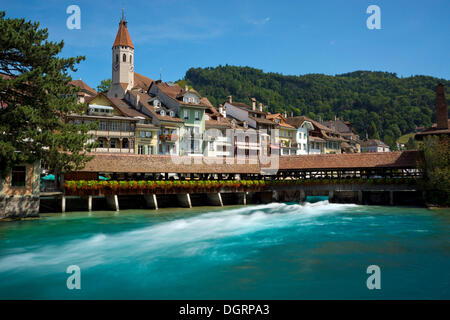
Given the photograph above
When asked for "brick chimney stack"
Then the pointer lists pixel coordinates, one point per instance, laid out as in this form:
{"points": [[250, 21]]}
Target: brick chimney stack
{"points": [[230, 99], [441, 108], [260, 107], [253, 104]]}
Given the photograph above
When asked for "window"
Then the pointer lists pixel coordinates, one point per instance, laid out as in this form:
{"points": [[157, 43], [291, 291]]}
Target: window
{"points": [[142, 134], [117, 58], [125, 126], [186, 114], [131, 58], [211, 146], [140, 149], [197, 115], [112, 143], [162, 113], [304, 146], [103, 126], [148, 134], [18, 175], [172, 114], [124, 58], [115, 126], [151, 150]]}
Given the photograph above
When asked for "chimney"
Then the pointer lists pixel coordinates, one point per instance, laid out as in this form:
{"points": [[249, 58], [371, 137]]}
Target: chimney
{"points": [[285, 114], [222, 111], [292, 114], [335, 117], [253, 103], [230, 99], [138, 98], [260, 107], [186, 88], [441, 108]]}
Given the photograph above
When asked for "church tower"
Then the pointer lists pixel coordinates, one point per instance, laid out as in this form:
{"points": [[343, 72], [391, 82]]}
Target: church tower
{"points": [[122, 62]]}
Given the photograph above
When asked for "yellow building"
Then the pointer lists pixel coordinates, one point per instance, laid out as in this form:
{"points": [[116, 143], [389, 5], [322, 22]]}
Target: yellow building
{"points": [[117, 122], [146, 139], [287, 134]]}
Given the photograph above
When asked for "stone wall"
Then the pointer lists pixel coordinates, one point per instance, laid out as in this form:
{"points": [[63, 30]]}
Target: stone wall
{"points": [[21, 202], [19, 206]]}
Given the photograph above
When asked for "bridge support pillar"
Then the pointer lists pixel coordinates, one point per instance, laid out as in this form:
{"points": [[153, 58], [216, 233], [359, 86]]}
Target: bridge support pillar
{"points": [[330, 196], [113, 202], [302, 196], [151, 201], [215, 199], [391, 198], [245, 199], [90, 203], [63, 203], [185, 200], [360, 197]]}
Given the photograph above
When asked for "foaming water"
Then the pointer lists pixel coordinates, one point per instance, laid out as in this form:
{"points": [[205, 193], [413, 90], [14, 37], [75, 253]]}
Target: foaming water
{"points": [[240, 252]]}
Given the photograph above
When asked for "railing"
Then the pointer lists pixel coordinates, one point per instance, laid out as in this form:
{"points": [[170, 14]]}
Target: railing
{"points": [[49, 186]]}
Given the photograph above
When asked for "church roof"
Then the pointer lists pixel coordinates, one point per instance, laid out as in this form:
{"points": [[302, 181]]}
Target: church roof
{"points": [[123, 37], [142, 82]]}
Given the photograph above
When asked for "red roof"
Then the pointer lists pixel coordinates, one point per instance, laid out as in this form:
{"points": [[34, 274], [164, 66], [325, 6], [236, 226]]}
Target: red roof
{"points": [[83, 86], [123, 37]]}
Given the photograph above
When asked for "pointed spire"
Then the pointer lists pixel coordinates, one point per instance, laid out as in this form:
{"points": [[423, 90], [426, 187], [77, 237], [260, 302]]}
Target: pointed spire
{"points": [[123, 37]]}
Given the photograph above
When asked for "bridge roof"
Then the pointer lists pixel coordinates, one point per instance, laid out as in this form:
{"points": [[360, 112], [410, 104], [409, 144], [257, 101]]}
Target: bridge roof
{"points": [[403, 159], [130, 163]]}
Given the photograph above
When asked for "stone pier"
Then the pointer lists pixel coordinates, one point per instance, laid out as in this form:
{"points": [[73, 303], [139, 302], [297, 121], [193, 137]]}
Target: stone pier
{"points": [[185, 200], [151, 201], [215, 199], [113, 202]]}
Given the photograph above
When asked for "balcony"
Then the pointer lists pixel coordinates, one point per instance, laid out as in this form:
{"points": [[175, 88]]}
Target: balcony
{"points": [[113, 150], [168, 137]]}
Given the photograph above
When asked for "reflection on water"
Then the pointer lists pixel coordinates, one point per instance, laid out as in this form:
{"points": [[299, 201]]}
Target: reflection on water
{"points": [[274, 251]]}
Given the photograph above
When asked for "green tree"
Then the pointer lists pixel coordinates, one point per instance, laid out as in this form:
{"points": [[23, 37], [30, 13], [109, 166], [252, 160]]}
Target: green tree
{"points": [[104, 85], [436, 168], [36, 95], [397, 104], [411, 144], [373, 132]]}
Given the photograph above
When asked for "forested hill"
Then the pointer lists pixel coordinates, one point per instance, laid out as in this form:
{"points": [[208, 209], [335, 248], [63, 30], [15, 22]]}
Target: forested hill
{"points": [[395, 105]]}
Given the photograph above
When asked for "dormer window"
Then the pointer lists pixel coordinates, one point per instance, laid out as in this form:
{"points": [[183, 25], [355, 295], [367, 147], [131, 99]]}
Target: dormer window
{"points": [[156, 103], [162, 113], [172, 114], [245, 124]]}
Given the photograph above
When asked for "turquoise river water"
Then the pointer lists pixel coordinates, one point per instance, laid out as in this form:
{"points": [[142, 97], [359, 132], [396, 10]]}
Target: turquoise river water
{"points": [[274, 251]]}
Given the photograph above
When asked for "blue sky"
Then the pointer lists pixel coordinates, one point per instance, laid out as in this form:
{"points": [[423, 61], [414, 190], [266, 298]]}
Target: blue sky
{"points": [[290, 37]]}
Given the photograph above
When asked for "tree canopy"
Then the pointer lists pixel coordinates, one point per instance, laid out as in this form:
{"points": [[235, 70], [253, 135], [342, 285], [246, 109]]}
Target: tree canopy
{"points": [[35, 95], [104, 85], [395, 105]]}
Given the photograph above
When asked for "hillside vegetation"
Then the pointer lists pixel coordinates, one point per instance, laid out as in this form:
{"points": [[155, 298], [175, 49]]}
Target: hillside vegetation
{"points": [[395, 105]]}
